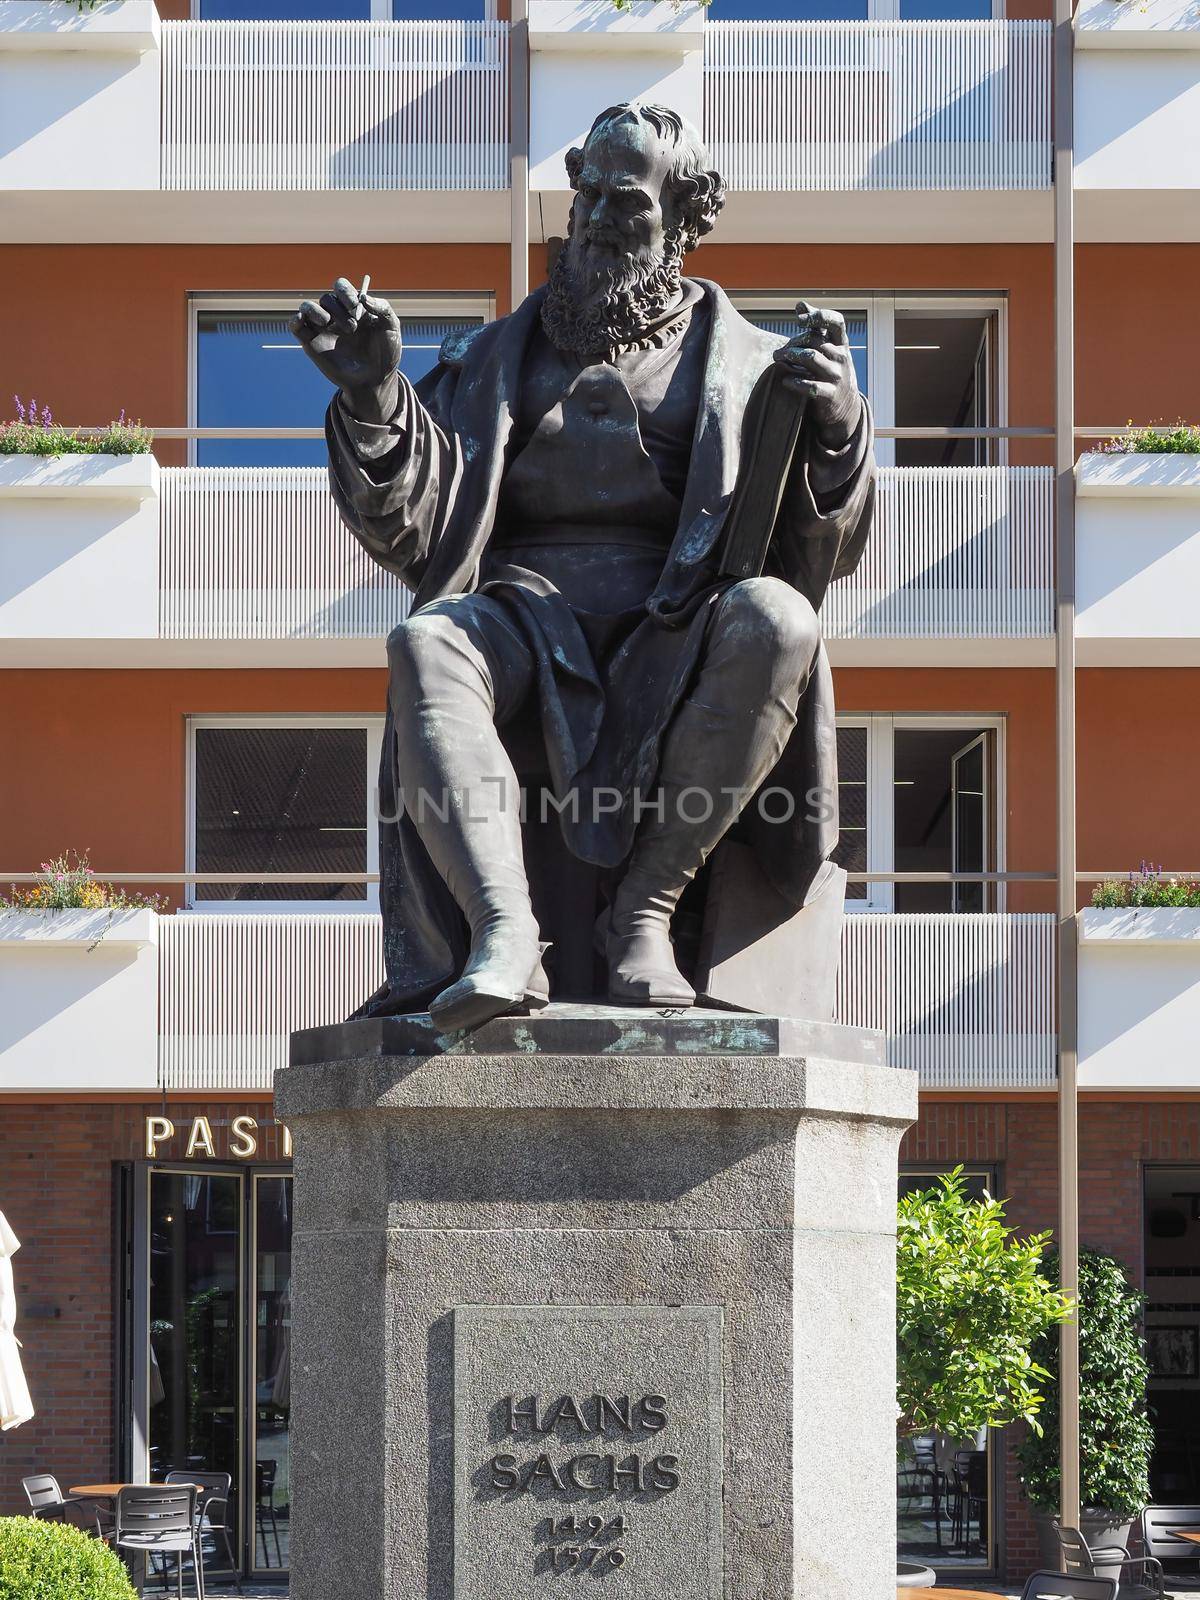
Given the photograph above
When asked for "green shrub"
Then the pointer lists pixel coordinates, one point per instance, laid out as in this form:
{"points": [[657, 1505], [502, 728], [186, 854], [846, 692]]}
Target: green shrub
{"points": [[1115, 1437], [45, 1560], [970, 1302], [1146, 887], [34, 432], [1181, 440]]}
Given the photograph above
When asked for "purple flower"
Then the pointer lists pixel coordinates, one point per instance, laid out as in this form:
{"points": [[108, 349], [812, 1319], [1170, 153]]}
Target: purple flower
{"points": [[47, 417], [19, 406]]}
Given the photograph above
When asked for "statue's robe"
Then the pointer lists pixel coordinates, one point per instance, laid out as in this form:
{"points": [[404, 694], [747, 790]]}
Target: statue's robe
{"points": [[421, 493]]}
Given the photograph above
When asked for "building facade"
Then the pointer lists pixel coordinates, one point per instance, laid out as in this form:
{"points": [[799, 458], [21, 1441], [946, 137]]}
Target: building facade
{"points": [[192, 674]]}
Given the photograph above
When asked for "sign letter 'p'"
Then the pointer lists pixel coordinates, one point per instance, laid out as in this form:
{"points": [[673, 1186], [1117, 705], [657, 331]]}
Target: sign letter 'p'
{"points": [[158, 1130]]}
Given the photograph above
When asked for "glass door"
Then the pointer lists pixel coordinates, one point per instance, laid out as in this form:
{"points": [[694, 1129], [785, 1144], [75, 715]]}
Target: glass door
{"points": [[210, 1341], [969, 810], [195, 1305], [271, 1346]]}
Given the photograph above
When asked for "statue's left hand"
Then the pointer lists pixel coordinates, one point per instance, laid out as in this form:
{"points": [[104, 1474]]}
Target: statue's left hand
{"points": [[817, 364]]}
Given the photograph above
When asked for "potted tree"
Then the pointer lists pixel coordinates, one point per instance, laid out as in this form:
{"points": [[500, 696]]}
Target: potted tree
{"points": [[1115, 1437], [971, 1305]]}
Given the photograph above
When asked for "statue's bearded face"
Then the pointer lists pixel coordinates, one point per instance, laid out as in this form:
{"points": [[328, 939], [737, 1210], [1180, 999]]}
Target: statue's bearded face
{"points": [[621, 266]]}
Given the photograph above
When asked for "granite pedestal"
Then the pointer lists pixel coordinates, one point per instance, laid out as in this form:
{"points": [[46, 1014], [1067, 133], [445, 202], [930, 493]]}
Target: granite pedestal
{"points": [[594, 1298]]}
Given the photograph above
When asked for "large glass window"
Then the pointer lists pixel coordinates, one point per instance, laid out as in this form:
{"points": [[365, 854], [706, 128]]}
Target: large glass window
{"points": [[944, 1487], [285, 798], [1171, 1249], [945, 377], [924, 361], [272, 1369], [219, 1348], [251, 373], [920, 795], [195, 1322]]}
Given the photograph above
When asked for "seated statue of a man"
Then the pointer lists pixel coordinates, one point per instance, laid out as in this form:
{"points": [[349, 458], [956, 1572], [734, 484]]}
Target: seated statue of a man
{"points": [[555, 492]]}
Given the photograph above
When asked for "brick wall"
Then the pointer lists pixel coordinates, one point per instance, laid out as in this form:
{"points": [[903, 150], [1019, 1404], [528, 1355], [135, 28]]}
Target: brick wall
{"points": [[56, 1189]]}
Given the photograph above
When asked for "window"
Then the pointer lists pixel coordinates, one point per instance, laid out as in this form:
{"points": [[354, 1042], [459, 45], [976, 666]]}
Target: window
{"points": [[249, 372], [924, 361], [921, 794], [284, 795]]}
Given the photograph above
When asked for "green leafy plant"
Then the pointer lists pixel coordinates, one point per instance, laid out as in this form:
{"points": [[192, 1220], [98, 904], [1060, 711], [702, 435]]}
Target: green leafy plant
{"points": [[66, 885], [971, 1301], [676, 5], [1146, 887], [34, 432], [46, 1560], [1115, 1437], [1181, 440]]}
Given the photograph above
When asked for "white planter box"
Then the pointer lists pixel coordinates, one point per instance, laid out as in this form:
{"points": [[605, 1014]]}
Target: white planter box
{"points": [[1140, 924], [79, 477], [79, 96], [129, 27], [78, 547], [596, 25], [78, 1000], [1137, 25], [78, 928], [1138, 559], [1139, 999], [1134, 476]]}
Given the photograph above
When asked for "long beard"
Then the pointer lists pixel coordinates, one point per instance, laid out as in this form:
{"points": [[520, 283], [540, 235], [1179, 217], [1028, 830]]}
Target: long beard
{"points": [[595, 307]]}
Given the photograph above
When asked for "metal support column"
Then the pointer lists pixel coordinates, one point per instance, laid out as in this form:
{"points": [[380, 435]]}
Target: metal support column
{"points": [[518, 164], [1068, 927]]}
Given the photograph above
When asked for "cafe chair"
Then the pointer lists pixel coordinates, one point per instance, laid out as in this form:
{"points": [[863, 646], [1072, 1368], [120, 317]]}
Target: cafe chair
{"points": [[160, 1520], [212, 1512], [46, 1499], [1068, 1586], [1161, 1527], [1139, 1577]]}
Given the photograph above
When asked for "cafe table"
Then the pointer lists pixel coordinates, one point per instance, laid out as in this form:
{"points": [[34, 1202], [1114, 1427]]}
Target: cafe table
{"points": [[945, 1593]]}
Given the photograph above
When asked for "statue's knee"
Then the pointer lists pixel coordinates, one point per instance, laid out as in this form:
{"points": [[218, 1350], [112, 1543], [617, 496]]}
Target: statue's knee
{"points": [[417, 643], [775, 619]]}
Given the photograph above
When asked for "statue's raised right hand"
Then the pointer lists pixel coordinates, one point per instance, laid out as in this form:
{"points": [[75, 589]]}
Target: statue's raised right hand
{"points": [[354, 339]]}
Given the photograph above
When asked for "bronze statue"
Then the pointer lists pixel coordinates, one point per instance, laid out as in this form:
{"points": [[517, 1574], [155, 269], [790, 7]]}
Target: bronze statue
{"points": [[556, 492]]}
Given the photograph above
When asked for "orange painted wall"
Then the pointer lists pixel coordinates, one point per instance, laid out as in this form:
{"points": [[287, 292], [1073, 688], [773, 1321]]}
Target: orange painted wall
{"points": [[96, 760], [85, 364], [1139, 768], [118, 333], [1137, 333], [1025, 698]]}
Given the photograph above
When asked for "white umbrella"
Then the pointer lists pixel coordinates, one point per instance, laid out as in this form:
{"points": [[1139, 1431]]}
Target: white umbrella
{"points": [[15, 1405]]}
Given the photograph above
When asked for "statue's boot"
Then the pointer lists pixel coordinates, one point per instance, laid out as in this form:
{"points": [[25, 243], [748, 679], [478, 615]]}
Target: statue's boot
{"points": [[463, 797], [721, 745]]}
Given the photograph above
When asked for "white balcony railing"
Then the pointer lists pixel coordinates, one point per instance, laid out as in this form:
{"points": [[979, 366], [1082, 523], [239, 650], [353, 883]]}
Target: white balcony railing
{"points": [[967, 1000], [232, 987], [259, 553], [345, 105], [879, 105], [956, 552]]}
